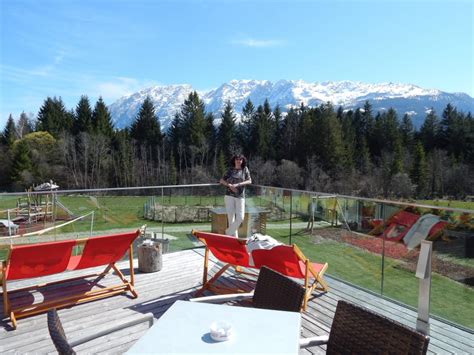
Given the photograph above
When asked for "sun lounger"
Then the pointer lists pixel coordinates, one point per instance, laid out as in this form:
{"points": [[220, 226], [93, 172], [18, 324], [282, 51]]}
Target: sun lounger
{"points": [[229, 250], [42, 259], [290, 261]]}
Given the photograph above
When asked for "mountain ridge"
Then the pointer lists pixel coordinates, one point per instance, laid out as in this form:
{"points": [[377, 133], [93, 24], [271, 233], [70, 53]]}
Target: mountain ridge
{"points": [[404, 98]]}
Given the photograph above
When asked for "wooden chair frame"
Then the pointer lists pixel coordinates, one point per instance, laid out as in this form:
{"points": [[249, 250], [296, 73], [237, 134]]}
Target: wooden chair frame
{"points": [[15, 313], [310, 271], [313, 278], [209, 284]]}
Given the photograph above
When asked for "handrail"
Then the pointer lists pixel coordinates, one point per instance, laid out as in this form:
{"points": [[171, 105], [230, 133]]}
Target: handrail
{"points": [[376, 200], [106, 189], [316, 193]]}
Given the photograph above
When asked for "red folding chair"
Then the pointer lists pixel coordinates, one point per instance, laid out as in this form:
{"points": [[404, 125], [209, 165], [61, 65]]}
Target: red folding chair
{"points": [[290, 261], [229, 250], [42, 259]]}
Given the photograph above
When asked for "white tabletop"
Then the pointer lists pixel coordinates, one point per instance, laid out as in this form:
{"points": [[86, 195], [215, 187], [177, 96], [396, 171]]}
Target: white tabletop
{"points": [[185, 327]]}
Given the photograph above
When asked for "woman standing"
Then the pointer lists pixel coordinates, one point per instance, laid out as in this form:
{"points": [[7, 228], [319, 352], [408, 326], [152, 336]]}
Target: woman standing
{"points": [[235, 180]]}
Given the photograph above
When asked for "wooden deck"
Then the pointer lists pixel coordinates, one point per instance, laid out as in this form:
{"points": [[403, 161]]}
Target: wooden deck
{"points": [[180, 277]]}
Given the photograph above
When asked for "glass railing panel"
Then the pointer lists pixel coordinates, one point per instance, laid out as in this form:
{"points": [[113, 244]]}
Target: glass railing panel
{"points": [[391, 225], [338, 240], [403, 229], [271, 211], [365, 242], [182, 209], [452, 287]]}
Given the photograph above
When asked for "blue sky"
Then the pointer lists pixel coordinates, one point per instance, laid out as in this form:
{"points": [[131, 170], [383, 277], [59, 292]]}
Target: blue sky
{"points": [[112, 48]]}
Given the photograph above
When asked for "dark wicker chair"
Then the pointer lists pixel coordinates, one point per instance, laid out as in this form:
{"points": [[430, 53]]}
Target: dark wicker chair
{"points": [[57, 334], [272, 291], [357, 330], [65, 347]]}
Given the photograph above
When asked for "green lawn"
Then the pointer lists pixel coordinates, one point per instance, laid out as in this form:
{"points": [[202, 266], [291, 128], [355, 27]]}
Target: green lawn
{"points": [[449, 299], [468, 205]]}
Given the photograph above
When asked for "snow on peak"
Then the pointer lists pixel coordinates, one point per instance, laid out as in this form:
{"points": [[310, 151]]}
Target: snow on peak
{"points": [[289, 93]]}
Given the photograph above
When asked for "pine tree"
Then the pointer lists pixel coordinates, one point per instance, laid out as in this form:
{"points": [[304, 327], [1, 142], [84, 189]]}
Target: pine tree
{"points": [[194, 129], [289, 135], [9, 133], [244, 129], [261, 132], [21, 165], [101, 119], [174, 137], [83, 116], [397, 162], [407, 132], [419, 171], [429, 131], [390, 129], [194, 123], [277, 141], [146, 130], [447, 132], [354, 158], [227, 132], [331, 147], [123, 171], [53, 117], [368, 120]]}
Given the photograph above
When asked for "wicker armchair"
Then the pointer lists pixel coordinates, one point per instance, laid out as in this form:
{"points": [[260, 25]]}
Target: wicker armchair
{"points": [[65, 347], [272, 291], [357, 330]]}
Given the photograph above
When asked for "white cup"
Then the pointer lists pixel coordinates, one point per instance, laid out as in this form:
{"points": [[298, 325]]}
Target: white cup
{"points": [[220, 331]]}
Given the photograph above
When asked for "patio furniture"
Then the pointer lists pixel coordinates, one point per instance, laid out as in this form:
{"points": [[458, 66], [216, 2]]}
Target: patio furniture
{"points": [[356, 329], [272, 291], [41, 259], [290, 261], [229, 250], [65, 346], [185, 328]]}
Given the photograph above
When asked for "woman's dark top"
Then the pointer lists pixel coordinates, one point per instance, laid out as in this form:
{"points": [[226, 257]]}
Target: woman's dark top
{"points": [[235, 176]]}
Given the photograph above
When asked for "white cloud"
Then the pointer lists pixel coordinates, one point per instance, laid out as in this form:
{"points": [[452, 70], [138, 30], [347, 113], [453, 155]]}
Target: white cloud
{"points": [[120, 86], [259, 43]]}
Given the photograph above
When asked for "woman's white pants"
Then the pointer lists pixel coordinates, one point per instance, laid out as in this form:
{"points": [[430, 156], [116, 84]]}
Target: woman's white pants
{"points": [[235, 208]]}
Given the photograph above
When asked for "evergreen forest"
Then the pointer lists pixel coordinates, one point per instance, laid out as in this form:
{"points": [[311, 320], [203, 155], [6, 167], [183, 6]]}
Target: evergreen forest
{"points": [[328, 149]]}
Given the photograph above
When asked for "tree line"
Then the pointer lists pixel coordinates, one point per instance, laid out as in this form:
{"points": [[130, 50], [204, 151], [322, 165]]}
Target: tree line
{"points": [[324, 148]]}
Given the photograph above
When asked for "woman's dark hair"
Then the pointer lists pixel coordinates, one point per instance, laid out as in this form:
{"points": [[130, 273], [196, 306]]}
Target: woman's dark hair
{"points": [[238, 156]]}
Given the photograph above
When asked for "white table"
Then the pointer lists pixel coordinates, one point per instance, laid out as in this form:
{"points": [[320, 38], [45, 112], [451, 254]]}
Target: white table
{"points": [[185, 326]]}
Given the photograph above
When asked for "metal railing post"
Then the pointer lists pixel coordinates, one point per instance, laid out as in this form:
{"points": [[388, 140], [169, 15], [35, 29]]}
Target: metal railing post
{"points": [[291, 214], [423, 272]]}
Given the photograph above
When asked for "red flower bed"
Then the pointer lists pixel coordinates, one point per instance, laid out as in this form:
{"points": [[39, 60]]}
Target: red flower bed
{"points": [[393, 249]]}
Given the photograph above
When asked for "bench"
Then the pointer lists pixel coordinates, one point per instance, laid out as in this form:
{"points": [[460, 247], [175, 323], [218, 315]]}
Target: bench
{"points": [[42, 259]]}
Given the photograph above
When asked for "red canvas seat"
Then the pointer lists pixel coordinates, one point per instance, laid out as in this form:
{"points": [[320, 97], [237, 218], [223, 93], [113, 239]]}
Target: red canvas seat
{"points": [[290, 261], [229, 250], [42, 259], [27, 261]]}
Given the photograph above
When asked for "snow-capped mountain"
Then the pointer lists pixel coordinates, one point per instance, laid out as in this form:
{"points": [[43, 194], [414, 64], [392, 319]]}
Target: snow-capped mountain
{"points": [[404, 98]]}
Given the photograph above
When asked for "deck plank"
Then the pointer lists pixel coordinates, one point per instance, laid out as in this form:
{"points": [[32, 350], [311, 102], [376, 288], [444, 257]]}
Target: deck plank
{"points": [[179, 278]]}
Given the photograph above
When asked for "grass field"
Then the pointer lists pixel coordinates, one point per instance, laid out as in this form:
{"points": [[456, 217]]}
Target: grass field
{"points": [[449, 299], [468, 205]]}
